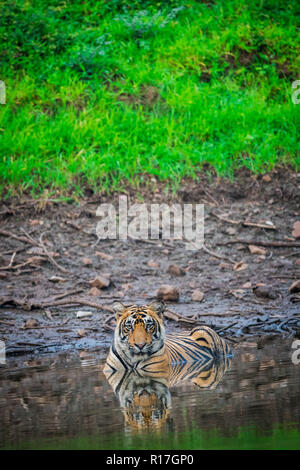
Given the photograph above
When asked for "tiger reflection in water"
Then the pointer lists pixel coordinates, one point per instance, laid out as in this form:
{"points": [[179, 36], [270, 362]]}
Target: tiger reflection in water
{"points": [[144, 362]]}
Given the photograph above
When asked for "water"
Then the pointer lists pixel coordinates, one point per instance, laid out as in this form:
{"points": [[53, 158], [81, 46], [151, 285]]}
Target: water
{"points": [[65, 402]]}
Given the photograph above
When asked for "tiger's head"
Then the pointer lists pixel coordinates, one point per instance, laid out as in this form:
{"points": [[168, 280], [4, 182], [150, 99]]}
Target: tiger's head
{"points": [[139, 332]]}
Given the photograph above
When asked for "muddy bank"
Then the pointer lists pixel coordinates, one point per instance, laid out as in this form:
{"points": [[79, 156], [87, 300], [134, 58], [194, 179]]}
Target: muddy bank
{"points": [[50, 254]]}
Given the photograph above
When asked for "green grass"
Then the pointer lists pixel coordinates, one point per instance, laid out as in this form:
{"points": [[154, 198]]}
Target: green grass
{"points": [[101, 94]]}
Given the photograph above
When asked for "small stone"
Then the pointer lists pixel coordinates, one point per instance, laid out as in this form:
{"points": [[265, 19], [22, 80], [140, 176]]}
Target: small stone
{"points": [[237, 293], [35, 222], [153, 264], [57, 279], [30, 323], [83, 314], [35, 250], [231, 230], [266, 292], [224, 265], [175, 270], [197, 296], [81, 333], [94, 292], [87, 261], [36, 260], [167, 292], [298, 262], [240, 266], [104, 255], [126, 286], [256, 250], [100, 282], [266, 178], [241, 247], [247, 285]]}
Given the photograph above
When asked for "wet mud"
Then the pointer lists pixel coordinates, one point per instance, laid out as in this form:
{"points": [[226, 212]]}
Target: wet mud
{"points": [[239, 283]]}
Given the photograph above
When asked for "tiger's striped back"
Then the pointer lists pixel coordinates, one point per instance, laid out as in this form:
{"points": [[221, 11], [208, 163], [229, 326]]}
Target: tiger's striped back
{"points": [[198, 344]]}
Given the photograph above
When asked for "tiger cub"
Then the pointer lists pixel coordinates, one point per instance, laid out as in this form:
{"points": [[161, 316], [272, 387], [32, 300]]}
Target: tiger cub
{"points": [[141, 344]]}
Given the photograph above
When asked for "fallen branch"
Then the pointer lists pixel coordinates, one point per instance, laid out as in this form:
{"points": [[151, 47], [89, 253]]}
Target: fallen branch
{"points": [[293, 254], [23, 303], [224, 219], [33, 260], [6, 300], [4, 233], [28, 239], [211, 253], [10, 263], [6, 211], [106, 325], [231, 339], [10, 323], [71, 292], [246, 223], [211, 314], [227, 327], [49, 256], [258, 225], [216, 255], [274, 244], [79, 302], [10, 252], [178, 318]]}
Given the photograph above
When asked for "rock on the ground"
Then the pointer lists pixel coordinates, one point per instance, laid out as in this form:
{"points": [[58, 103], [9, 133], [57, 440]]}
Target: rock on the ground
{"points": [[100, 282], [175, 270], [167, 292]]}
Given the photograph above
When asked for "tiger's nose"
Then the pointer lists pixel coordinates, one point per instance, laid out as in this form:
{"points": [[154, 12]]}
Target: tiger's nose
{"points": [[140, 345]]}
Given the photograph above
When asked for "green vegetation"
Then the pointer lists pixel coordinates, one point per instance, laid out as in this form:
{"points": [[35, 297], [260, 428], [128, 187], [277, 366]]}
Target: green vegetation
{"points": [[100, 93]]}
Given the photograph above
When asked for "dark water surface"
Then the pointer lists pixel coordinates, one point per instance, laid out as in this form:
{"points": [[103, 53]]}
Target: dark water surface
{"points": [[66, 402]]}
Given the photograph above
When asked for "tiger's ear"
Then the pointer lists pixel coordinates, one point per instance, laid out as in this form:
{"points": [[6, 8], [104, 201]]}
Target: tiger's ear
{"points": [[119, 309], [158, 307]]}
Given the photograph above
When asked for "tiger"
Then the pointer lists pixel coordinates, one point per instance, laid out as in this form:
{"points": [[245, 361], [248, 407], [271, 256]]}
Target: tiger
{"points": [[141, 344], [144, 362]]}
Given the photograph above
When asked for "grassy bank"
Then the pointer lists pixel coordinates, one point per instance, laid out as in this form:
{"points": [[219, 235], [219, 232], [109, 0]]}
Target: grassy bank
{"points": [[100, 92]]}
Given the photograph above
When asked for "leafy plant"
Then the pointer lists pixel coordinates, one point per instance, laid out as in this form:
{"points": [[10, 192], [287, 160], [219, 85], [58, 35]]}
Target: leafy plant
{"points": [[27, 35], [94, 59], [144, 24]]}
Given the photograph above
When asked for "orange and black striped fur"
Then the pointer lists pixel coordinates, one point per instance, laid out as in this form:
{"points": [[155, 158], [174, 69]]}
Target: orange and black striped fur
{"points": [[141, 344]]}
